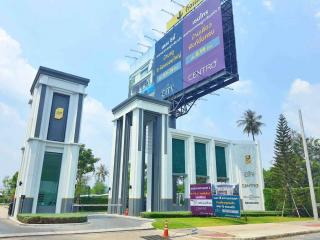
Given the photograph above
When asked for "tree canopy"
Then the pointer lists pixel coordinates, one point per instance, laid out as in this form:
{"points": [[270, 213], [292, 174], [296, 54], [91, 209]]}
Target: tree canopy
{"points": [[251, 123]]}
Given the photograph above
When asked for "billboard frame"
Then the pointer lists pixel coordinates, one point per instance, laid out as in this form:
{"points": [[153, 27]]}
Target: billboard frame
{"points": [[182, 102]]}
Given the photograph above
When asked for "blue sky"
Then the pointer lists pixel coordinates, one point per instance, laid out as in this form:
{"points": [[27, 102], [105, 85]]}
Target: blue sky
{"points": [[278, 57]]}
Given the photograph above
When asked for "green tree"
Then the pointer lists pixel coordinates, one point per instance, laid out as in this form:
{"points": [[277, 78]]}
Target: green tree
{"points": [[99, 188], [86, 165], [101, 173], [251, 123], [9, 185], [314, 155]]}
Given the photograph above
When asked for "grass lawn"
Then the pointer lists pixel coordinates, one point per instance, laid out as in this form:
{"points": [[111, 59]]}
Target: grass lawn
{"points": [[191, 222]]}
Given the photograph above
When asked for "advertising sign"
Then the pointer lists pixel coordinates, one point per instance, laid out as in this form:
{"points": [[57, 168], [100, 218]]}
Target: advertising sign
{"points": [[183, 12], [203, 49], [201, 199], [225, 189], [226, 206], [168, 71]]}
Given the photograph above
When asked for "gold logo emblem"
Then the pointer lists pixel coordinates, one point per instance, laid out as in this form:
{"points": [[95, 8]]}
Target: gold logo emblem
{"points": [[59, 113], [248, 159]]}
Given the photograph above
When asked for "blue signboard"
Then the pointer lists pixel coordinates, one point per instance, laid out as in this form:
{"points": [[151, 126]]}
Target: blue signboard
{"points": [[226, 206], [168, 72]]}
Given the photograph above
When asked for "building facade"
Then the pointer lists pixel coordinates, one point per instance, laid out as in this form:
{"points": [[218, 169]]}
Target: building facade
{"points": [[47, 175], [154, 165]]}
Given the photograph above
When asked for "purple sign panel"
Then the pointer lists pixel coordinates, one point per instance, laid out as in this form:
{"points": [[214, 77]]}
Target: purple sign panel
{"points": [[201, 199], [203, 48]]}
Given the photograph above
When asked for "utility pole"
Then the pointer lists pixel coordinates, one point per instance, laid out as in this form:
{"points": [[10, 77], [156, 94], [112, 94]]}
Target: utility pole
{"points": [[306, 154]]}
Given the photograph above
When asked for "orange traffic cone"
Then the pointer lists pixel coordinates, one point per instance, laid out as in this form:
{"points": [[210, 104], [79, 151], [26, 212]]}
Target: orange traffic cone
{"points": [[166, 230]]}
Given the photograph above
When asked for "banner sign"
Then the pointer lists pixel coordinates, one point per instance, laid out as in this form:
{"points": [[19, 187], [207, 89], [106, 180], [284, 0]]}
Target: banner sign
{"points": [[168, 63], [191, 51], [182, 13], [203, 48], [225, 189], [201, 199], [226, 206]]}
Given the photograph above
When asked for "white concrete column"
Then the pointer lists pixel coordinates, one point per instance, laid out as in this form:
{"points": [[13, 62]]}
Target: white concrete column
{"points": [[190, 165], [135, 157], [122, 156], [166, 161], [211, 161]]}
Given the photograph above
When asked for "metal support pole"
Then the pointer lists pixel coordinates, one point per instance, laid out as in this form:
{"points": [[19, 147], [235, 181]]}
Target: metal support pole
{"points": [[312, 195]]}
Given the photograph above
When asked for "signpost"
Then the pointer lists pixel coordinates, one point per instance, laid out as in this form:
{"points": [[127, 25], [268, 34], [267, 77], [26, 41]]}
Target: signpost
{"points": [[201, 199], [226, 206]]}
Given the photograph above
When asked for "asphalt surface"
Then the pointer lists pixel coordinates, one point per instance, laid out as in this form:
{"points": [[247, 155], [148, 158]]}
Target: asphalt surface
{"points": [[315, 236], [95, 222]]}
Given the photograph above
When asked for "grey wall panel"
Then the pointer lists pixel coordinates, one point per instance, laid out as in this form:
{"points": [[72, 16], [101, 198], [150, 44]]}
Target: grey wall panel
{"points": [[40, 110], [135, 206], [57, 127], [125, 164], [26, 205], [79, 116], [140, 134], [66, 205]]}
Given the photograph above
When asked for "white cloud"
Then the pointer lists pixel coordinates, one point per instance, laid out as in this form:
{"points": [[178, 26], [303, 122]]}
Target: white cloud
{"points": [[305, 96], [145, 15], [317, 15], [197, 121], [16, 74], [11, 139], [242, 87], [122, 66], [268, 4], [96, 130]]}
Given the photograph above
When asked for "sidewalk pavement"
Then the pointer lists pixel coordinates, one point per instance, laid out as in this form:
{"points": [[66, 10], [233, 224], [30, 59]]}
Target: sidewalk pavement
{"points": [[3, 211], [249, 231]]}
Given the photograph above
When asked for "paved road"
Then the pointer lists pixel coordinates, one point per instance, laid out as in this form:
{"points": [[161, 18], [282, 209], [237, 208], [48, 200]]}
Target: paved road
{"points": [[134, 235], [315, 236], [95, 222]]}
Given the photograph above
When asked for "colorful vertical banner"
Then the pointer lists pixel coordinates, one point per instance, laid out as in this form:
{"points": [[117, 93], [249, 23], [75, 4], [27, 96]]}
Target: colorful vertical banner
{"points": [[203, 48], [201, 199], [168, 72], [226, 206]]}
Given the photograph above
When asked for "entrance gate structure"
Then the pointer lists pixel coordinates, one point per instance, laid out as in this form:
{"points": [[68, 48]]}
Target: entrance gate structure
{"points": [[139, 156], [47, 175]]}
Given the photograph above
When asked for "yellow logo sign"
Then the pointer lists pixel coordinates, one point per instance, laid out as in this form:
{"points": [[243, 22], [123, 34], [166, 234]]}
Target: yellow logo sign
{"points": [[183, 12], [59, 113], [248, 159]]}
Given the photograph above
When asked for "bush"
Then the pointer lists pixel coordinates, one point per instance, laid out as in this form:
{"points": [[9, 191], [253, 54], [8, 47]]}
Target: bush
{"points": [[189, 214], [261, 213], [274, 199], [52, 218], [165, 214], [93, 200]]}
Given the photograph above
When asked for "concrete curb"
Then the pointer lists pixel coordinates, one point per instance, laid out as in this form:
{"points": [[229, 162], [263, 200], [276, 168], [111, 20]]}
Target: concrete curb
{"points": [[146, 226], [276, 236], [282, 235]]}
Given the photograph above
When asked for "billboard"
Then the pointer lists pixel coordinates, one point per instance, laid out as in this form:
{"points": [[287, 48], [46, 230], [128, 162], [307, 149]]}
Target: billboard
{"points": [[196, 56], [201, 199]]}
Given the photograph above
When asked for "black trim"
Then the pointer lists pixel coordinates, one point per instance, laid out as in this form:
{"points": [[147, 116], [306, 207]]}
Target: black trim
{"points": [[40, 111], [140, 97], [60, 75], [79, 115]]}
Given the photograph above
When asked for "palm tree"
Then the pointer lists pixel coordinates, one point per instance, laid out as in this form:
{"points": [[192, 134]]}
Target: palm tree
{"points": [[251, 123], [101, 173]]}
